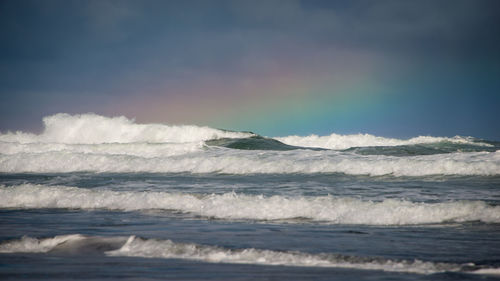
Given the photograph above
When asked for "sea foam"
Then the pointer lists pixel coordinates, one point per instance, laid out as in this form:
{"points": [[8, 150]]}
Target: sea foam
{"points": [[93, 143], [339, 142], [232, 206], [133, 246], [153, 248], [123, 159], [93, 129], [140, 149]]}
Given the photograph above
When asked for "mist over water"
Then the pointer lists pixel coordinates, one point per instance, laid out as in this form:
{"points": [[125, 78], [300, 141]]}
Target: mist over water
{"points": [[95, 187]]}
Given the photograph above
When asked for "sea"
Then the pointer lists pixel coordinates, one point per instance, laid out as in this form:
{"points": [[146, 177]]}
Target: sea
{"points": [[106, 198]]}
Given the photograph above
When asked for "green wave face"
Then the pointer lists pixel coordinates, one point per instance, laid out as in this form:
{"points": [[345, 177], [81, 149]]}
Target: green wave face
{"points": [[424, 149], [252, 143], [443, 147]]}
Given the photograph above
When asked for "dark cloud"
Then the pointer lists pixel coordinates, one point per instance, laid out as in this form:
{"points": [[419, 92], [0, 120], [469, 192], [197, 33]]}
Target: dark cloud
{"points": [[115, 48], [87, 34]]}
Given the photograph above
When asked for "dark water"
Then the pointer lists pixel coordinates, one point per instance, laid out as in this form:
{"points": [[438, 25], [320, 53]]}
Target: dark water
{"points": [[450, 242], [98, 198]]}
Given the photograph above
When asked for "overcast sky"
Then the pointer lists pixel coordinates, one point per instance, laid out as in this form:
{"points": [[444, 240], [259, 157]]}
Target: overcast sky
{"points": [[392, 68]]}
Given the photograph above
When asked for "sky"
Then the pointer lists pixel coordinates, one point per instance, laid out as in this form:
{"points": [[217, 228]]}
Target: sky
{"points": [[396, 68]]}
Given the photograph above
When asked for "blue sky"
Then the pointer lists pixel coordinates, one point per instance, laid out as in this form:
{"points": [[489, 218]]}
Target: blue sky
{"points": [[390, 68]]}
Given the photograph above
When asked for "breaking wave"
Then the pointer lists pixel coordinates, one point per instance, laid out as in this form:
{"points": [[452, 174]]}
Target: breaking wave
{"points": [[91, 128], [327, 209], [63, 244], [341, 142], [93, 143], [133, 246], [146, 150], [95, 129], [193, 159]]}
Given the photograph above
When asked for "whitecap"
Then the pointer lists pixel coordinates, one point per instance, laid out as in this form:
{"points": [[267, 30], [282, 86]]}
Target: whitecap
{"points": [[232, 206]]}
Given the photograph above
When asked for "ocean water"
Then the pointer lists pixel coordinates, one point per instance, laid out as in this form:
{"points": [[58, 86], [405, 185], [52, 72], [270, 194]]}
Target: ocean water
{"points": [[102, 198]]}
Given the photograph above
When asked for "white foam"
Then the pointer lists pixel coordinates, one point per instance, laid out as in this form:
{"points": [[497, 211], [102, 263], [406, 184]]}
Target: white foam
{"points": [[133, 246], [147, 150], [328, 209], [339, 142], [34, 245], [92, 129], [154, 248], [93, 143], [212, 160], [488, 271]]}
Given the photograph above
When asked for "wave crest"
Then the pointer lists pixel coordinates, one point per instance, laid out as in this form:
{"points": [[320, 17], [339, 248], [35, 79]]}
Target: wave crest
{"points": [[328, 209], [341, 142], [250, 162], [94, 143], [91, 128], [133, 246]]}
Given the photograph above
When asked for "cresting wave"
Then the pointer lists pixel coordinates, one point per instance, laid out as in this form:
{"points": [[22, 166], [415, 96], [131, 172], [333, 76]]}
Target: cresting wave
{"points": [[223, 161], [133, 246], [326, 209], [95, 129], [340, 142], [93, 143], [145, 150]]}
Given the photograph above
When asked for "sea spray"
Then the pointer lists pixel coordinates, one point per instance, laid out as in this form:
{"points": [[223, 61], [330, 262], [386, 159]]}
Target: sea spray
{"points": [[93, 129]]}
